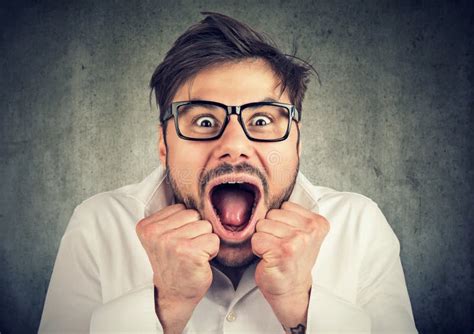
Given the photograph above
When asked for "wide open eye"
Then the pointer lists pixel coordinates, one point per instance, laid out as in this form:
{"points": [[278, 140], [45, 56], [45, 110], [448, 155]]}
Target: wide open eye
{"points": [[260, 120], [265, 121], [206, 121], [200, 120]]}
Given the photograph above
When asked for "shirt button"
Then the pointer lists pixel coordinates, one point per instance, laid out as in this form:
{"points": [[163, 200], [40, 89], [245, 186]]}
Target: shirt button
{"points": [[231, 316]]}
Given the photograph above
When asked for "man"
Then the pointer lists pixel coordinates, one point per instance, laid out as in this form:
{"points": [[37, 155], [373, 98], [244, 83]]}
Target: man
{"points": [[229, 237]]}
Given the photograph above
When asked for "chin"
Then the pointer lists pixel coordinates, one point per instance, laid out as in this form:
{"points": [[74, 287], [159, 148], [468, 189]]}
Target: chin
{"points": [[232, 255]]}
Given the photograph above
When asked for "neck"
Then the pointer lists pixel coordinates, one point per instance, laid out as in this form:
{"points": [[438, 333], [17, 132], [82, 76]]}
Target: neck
{"points": [[233, 273]]}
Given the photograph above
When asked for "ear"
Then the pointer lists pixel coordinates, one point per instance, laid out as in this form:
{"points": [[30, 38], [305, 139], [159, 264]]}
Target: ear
{"points": [[161, 146]]}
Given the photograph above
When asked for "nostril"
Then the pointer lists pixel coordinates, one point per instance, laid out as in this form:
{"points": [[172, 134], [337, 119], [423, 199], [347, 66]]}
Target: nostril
{"points": [[233, 158]]}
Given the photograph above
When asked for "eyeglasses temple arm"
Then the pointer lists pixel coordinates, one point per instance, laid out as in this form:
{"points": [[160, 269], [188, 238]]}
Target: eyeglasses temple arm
{"points": [[296, 114]]}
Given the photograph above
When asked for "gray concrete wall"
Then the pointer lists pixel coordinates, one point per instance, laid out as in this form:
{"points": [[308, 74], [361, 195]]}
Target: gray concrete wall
{"points": [[392, 120]]}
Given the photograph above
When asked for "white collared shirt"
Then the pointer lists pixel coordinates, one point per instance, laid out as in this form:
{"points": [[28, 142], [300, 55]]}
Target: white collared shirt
{"points": [[102, 278]]}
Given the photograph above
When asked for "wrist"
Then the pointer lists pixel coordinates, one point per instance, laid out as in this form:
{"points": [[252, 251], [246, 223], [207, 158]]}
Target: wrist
{"points": [[291, 310], [173, 313]]}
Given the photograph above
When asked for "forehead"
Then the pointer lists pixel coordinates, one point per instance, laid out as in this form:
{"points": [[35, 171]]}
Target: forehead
{"points": [[233, 83]]}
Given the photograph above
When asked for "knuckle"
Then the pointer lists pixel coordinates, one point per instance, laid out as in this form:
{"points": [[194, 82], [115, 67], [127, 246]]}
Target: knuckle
{"points": [[167, 239], [285, 205], [307, 240], [215, 239], [207, 226], [315, 221], [193, 214], [138, 231], [301, 239], [326, 228], [289, 249], [256, 245], [298, 234], [255, 239], [261, 224], [180, 206], [271, 213], [182, 249], [309, 222], [140, 225], [146, 232], [204, 226]]}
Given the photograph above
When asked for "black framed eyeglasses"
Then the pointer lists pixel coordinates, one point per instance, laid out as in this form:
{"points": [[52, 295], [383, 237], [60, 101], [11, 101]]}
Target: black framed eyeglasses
{"points": [[207, 120]]}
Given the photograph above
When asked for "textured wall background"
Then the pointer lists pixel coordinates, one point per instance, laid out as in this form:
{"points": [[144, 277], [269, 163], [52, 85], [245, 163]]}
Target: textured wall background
{"points": [[392, 120]]}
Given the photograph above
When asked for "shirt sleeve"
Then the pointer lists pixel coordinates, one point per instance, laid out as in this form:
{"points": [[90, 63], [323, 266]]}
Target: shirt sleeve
{"points": [[327, 313], [382, 290], [74, 289], [133, 312], [74, 302], [382, 304]]}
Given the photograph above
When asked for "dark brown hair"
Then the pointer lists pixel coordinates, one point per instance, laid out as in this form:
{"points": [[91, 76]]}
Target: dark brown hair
{"points": [[219, 39]]}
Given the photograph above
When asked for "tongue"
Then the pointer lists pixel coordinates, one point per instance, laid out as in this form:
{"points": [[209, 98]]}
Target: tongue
{"points": [[233, 205]]}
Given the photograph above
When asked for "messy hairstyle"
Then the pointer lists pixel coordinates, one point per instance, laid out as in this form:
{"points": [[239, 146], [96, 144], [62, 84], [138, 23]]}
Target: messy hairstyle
{"points": [[219, 39]]}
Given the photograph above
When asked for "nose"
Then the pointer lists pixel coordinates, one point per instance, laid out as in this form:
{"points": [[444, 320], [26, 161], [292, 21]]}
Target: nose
{"points": [[233, 146]]}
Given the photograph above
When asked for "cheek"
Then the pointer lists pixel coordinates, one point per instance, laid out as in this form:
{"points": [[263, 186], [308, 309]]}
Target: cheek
{"points": [[186, 163], [282, 157], [282, 162]]}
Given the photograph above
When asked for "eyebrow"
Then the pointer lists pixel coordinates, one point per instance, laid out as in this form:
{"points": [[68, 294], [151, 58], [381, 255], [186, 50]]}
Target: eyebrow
{"points": [[266, 99], [269, 99]]}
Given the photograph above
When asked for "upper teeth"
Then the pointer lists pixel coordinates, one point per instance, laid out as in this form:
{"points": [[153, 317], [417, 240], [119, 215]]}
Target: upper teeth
{"points": [[233, 182]]}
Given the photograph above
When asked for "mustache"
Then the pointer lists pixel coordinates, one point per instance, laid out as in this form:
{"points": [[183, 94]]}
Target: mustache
{"points": [[226, 168]]}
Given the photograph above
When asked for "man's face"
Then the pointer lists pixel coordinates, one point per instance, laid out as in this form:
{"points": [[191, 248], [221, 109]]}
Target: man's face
{"points": [[232, 181]]}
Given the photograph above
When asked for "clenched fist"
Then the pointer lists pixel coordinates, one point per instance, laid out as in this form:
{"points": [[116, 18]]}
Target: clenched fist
{"points": [[179, 246], [288, 242]]}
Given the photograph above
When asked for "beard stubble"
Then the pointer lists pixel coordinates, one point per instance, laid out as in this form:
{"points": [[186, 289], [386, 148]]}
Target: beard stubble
{"points": [[238, 254]]}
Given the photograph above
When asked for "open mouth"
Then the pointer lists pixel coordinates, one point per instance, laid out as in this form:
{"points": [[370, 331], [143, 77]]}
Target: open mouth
{"points": [[234, 203]]}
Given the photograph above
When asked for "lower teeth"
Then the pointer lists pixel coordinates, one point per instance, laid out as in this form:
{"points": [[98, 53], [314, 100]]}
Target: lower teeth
{"points": [[234, 228]]}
